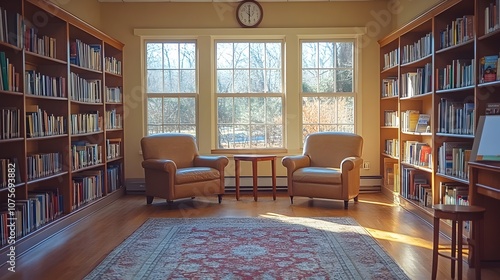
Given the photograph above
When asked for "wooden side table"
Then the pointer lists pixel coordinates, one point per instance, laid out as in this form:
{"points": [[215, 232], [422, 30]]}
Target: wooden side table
{"points": [[254, 159]]}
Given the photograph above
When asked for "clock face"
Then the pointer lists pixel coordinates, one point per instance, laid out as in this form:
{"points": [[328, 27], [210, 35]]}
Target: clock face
{"points": [[249, 14]]}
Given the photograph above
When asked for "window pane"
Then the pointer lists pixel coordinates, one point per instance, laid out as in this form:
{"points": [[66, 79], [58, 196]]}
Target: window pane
{"points": [[309, 81], [344, 81], [154, 56], [154, 110], [344, 55], [187, 56], [225, 110], [171, 56], [258, 139], [257, 55], [170, 110], [326, 82], [310, 110], [325, 57], [241, 110], [309, 55], [224, 81], [346, 110], [273, 55], [274, 110], [187, 114], [155, 81], [274, 136], [171, 81], [241, 55], [241, 80], [258, 112], [274, 81], [187, 81], [224, 55], [327, 110], [257, 80]]}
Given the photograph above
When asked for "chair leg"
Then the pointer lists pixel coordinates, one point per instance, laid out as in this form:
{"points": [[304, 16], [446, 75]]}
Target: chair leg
{"points": [[220, 198], [149, 199], [169, 202], [356, 198], [291, 199], [346, 204]]}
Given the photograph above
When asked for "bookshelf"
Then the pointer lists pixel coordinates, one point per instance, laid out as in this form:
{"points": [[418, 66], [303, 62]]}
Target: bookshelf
{"points": [[437, 64], [61, 122]]}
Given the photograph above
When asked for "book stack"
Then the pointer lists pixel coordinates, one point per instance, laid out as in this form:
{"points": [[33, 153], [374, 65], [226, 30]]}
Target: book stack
{"points": [[85, 154]]}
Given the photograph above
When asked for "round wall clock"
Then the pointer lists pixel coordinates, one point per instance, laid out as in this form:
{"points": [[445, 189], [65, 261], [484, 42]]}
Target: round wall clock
{"points": [[249, 13]]}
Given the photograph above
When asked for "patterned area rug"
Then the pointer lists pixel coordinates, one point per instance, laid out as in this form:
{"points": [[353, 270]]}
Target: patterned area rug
{"points": [[249, 248]]}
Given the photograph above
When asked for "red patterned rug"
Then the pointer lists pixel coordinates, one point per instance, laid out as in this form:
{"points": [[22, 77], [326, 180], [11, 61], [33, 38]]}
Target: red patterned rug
{"points": [[249, 248]]}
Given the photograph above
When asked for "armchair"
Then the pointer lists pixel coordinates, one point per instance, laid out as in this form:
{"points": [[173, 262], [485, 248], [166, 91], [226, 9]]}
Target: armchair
{"points": [[328, 167], [174, 169]]}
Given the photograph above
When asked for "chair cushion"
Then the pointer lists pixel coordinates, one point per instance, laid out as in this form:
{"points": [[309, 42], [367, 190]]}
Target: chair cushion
{"points": [[196, 174], [319, 175]]}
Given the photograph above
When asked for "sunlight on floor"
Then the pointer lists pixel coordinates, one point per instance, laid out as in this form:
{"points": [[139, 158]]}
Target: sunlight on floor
{"points": [[378, 203], [402, 238], [305, 221]]}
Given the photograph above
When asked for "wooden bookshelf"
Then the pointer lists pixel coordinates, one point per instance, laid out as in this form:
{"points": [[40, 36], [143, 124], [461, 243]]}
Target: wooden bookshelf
{"points": [[64, 77], [450, 89]]}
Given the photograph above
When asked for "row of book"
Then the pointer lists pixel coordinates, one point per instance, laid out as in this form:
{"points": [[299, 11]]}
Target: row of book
{"points": [[391, 59], [390, 87], [113, 94], [84, 90], [9, 77], [113, 179], [460, 73], [492, 17], [40, 208], [113, 120], [458, 31], [40, 44], [415, 185], [11, 28], [9, 169], [43, 85], [415, 122], [43, 165], [112, 65], [87, 186], [391, 118], [113, 147], [85, 154], [39, 123], [453, 193], [417, 153], [392, 147], [418, 82], [456, 117], [453, 159], [10, 123], [417, 50], [86, 55], [86, 123]]}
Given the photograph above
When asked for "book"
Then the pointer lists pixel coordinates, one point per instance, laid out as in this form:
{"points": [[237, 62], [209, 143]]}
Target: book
{"points": [[423, 123], [488, 68]]}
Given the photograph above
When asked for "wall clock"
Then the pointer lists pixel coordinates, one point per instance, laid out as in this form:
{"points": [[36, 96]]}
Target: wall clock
{"points": [[249, 13]]}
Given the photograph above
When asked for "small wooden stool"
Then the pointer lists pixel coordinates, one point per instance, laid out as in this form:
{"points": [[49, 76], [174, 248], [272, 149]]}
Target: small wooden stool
{"points": [[458, 214]]}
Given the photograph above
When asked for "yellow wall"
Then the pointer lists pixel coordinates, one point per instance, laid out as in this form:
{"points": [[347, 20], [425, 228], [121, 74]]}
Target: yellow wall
{"points": [[120, 19], [87, 10]]}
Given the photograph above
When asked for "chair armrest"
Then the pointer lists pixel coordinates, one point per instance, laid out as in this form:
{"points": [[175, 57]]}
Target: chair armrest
{"points": [[293, 163], [351, 163], [160, 164], [216, 162]]}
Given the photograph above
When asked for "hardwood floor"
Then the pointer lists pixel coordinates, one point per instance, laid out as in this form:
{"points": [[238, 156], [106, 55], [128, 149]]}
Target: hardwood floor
{"points": [[75, 251]]}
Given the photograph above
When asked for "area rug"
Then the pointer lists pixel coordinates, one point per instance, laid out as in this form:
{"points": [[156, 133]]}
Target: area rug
{"points": [[249, 248]]}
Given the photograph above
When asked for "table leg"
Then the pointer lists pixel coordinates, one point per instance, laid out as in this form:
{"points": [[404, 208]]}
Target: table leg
{"points": [[237, 177], [254, 171], [273, 166]]}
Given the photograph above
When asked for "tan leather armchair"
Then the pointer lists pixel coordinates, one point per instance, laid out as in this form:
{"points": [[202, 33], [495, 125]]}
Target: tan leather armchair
{"points": [[328, 167], [174, 169]]}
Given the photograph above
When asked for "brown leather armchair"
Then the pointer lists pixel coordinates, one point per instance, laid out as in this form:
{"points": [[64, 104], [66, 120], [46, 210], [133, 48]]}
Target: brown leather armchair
{"points": [[174, 169], [328, 167]]}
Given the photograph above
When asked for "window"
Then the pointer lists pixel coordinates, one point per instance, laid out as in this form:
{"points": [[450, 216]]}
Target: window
{"points": [[249, 88], [171, 87], [328, 93]]}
